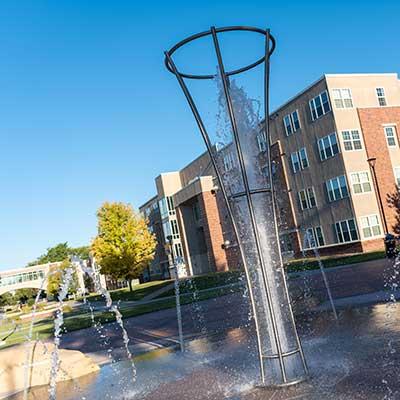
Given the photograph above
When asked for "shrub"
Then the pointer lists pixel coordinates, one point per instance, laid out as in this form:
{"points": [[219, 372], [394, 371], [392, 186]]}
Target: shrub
{"points": [[67, 308], [30, 302]]}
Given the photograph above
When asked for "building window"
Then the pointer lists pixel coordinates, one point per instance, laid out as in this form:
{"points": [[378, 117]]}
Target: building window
{"points": [[163, 208], [228, 162], [178, 250], [337, 188], [291, 122], [319, 105], [307, 198], [360, 182], [299, 160], [174, 229], [166, 229], [171, 207], [303, 158], [295, 162], [262, 141], [397, 175], [342, 98], [286, 243], [314, 237], [380, 93], [346, 231], [328, 146], [370, 226], [390, 133], [352, 140]]}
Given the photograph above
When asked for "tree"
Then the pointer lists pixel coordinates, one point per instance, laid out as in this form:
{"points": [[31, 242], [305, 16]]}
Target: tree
{"points": [[7, 299], [61, 252], [393, 200], [124, 246], [23, 295], [55, 278]]}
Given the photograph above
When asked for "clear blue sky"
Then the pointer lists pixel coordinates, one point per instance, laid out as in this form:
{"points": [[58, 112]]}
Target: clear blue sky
{"points": [[88, 112]]}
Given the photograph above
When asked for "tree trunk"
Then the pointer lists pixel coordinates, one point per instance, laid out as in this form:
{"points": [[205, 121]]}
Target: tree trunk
{"points": [[130, 285]]}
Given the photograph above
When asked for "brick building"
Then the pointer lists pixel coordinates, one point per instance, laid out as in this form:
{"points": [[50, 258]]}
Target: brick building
{"points": [[326, 194], [326, 135], [189, 208]]}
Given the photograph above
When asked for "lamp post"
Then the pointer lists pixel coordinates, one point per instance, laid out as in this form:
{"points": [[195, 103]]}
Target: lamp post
{"points": [[372, 163]]}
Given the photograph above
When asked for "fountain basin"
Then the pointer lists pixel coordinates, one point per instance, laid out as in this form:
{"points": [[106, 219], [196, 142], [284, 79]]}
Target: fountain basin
{"points": [[73, 365]]}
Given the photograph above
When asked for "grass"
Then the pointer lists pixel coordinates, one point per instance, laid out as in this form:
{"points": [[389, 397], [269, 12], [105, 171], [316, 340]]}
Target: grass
{"points": [[137, 293], [307, 264], [207, 281], [73, 321]]}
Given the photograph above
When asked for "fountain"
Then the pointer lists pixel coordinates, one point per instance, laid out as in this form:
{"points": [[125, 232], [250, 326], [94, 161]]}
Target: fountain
{"points": [[249, 196]]}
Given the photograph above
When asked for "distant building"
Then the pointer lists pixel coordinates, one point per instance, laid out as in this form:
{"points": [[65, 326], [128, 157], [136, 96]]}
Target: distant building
{"points": [[193, 213]]}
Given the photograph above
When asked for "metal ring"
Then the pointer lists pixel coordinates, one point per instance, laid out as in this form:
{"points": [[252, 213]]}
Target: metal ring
{"points": [[219, 30]]}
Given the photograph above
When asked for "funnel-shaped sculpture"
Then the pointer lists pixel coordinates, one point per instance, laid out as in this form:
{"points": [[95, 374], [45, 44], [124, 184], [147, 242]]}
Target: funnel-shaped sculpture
{"points": [[241, 159]]}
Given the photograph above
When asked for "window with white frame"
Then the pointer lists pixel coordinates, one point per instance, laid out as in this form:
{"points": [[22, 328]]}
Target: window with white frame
{"points": [[299, 160], [314, 237], [370, 226], [170, 203], [295, 162], [262, 141], [303, 158], [228, 162], [360, 182], [328, 146], [346, 231], [342, 98], [291, 122], [337, 188], [319, 105], [307, 198], [352, 140], [174, 229], [397, 175], [178, 250], [166, 229], [380, 93], [390, 133]]}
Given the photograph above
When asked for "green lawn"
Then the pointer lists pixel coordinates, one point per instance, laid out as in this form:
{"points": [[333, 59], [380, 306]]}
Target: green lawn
{"points": [[137, 293], [207, 281], [329, 262], [43, 328]]}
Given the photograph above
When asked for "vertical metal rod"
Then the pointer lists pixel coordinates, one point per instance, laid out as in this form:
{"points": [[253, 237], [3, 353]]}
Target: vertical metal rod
{"points": [[268, 138], [249, 200], [209, 146]]}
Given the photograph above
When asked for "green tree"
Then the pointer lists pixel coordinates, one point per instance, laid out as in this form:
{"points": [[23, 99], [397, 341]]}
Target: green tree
{"points": [[61, 252], [55, 277], [7, 299], [124, 246], [23, 295]]}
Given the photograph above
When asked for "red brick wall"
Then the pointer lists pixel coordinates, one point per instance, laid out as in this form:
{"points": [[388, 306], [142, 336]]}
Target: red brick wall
{"points": [[373, 245], [213, 231], [372, 120]]}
